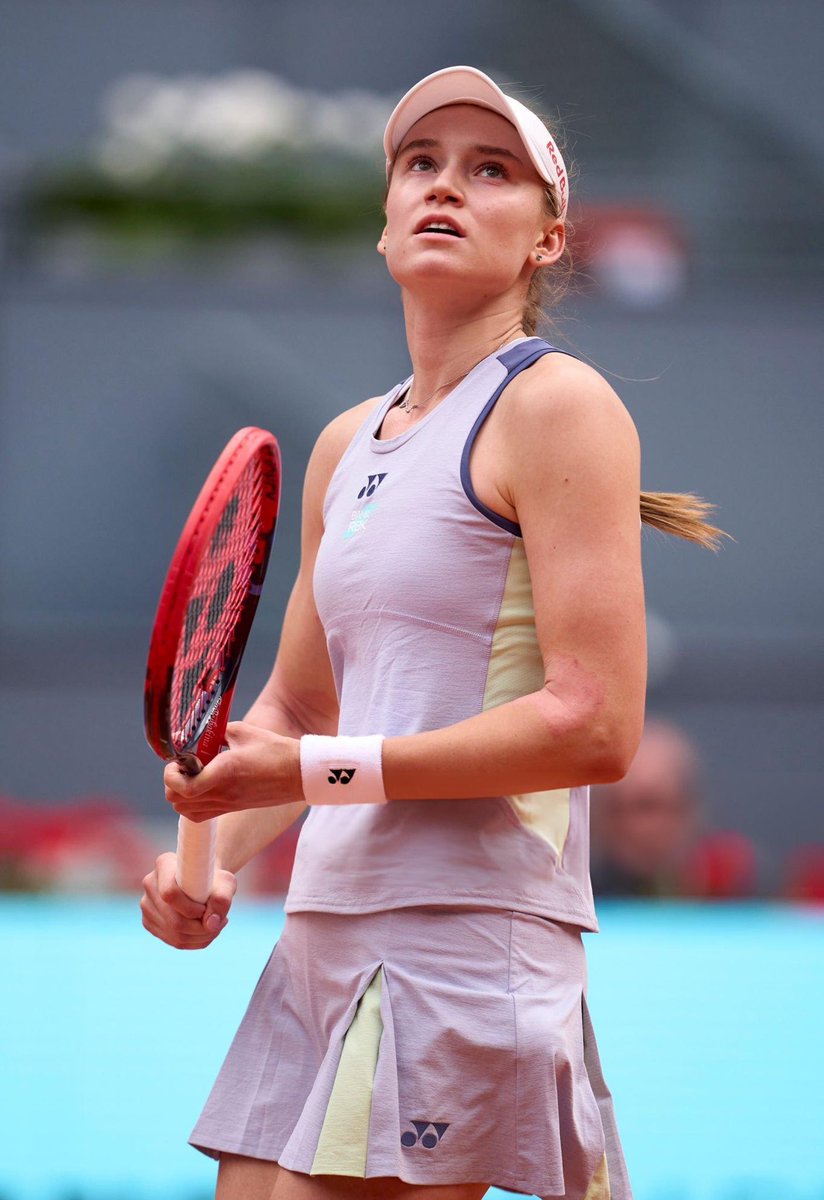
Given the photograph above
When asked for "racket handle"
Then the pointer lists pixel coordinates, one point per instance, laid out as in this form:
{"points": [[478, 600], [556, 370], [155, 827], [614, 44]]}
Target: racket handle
{"points": [[196, 844]]}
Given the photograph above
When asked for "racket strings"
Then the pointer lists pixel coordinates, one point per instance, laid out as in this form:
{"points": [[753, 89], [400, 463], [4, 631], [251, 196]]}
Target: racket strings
{"points": [[223, 581]]}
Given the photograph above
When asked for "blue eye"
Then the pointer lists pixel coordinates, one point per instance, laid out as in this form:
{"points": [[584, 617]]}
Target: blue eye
{"points": [[414, 162], [502, 172]]}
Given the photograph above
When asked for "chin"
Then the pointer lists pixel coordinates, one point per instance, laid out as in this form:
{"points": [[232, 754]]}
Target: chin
{"points": [[439, 268]]}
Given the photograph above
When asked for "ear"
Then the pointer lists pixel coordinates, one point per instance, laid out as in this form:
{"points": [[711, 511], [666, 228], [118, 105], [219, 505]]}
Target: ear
{"points": [[550, 244], [381, 247]]}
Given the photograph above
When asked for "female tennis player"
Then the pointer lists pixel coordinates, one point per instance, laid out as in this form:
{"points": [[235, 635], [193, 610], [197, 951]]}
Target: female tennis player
{"points": [[463, 654]]}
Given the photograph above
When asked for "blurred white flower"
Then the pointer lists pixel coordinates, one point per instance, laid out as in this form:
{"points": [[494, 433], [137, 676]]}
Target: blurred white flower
{"points": [[241, 115], [149, 120], [144, 116], [351, 120]]}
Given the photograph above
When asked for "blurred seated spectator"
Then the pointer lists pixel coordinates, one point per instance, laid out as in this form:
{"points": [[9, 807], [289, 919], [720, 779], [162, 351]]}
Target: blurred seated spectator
{"points": [[649, 835]]}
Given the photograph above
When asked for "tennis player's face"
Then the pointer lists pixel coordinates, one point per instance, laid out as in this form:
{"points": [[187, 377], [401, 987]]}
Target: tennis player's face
{"points": [[468, 167]]}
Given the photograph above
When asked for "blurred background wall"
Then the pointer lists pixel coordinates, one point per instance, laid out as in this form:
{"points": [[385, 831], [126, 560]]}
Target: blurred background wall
{"points": [[132, 346]]}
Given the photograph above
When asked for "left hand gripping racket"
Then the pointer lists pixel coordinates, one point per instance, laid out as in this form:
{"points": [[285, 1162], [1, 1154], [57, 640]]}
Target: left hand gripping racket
{"points": [[203, 620]]}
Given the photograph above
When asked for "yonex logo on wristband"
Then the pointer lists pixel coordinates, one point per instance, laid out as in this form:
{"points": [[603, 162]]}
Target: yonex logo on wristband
{"points": [[361, 779], [341, 774], [423, 1135]]}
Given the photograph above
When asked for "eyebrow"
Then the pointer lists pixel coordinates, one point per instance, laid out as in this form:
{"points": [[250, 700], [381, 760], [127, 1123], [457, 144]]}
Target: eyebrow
{"points": [[431, 143]]}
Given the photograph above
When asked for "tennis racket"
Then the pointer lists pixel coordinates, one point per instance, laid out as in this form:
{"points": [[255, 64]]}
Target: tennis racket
{"points": [[203, 620]]}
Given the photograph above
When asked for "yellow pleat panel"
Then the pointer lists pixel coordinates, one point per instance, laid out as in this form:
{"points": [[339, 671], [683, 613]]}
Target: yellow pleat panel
{"points": [[545, 813], [344, 1137], [599, 1184], [515, 664], [516, 668]]}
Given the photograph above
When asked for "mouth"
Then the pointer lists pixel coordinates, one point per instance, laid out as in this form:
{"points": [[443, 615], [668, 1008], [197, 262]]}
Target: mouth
{"points": [[439, 227]]}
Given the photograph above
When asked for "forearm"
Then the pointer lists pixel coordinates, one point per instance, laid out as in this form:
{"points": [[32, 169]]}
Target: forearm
{"points": [[535, 743], [241, 835], [244, 833], [549, 739]]}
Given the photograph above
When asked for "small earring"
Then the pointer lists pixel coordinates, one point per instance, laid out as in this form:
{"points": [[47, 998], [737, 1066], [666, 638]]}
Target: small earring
{"points": [[538, 257]]}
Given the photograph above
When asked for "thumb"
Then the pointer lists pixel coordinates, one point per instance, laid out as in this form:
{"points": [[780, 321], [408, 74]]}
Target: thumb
{"points": [[239, 734], [178, 783], [220, 901]]}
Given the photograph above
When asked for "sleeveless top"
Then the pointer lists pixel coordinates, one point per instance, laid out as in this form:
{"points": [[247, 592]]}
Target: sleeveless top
{"points": [[425, 599]]}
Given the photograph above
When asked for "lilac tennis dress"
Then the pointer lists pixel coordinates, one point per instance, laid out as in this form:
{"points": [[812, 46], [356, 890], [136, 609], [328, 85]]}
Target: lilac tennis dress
{"points": [[424, 1015]]}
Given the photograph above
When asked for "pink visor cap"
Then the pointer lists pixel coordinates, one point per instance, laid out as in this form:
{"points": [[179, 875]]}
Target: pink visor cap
{"points": [[467, 85]]}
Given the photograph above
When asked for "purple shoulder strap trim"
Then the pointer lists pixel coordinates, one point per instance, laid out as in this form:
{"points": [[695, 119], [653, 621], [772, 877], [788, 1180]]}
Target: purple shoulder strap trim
{"points": [[515, 360]]}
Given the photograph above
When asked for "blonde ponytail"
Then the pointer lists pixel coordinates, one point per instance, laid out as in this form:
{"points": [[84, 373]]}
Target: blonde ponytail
{"points": [[683, 515]]}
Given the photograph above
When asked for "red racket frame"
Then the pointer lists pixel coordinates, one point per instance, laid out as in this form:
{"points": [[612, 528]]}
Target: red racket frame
{"points": [[168, 628]]}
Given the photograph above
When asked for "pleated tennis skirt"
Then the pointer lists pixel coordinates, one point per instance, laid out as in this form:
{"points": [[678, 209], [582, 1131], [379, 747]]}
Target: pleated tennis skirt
{"points": [[437, 1045]]}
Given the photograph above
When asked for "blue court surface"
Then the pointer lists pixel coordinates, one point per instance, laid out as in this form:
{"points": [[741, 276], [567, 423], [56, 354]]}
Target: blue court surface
{"points": [[709, 1021]]}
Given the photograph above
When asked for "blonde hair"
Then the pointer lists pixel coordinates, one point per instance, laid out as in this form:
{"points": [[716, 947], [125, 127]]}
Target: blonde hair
{"points": [[682, 514]]}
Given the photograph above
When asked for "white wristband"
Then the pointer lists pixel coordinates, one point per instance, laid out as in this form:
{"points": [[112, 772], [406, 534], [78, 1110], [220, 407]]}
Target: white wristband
{"points": [[342, 770]]}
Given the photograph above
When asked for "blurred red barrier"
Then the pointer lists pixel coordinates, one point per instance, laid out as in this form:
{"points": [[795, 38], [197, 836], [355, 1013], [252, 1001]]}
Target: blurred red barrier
{"points": [[804, 875], [721, 866], [92, 844]]}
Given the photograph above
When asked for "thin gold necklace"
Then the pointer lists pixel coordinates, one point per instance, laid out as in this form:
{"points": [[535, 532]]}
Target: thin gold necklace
{"points": [[404, 404]]}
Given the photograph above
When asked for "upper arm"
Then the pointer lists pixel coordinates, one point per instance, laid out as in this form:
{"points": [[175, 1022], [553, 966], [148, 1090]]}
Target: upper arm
{"points": [[302, 681], [572, 465]]}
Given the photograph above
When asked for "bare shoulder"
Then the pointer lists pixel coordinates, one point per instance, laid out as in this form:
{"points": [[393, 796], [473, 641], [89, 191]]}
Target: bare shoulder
{"points": [[564, 428], [335, 437], [330, 448], [561, 395]]}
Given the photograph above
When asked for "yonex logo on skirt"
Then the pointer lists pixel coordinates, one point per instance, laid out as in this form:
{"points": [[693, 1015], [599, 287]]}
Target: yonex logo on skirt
{"points": [[422, 1136]]}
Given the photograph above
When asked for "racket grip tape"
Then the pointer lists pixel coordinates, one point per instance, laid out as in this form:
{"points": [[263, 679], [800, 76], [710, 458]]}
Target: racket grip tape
{"points": [[196, 846]]}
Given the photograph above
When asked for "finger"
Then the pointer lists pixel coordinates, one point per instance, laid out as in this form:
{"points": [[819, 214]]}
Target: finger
{"points": [[153, 922], [170, 891], [174, 780], [178, 783], [242, 733], [163, 863], [237, 733], [164, 916], [179, 941], [148, 914], [174, 930], [226, 795], [220, 901], [217, 779], [199, 811]]}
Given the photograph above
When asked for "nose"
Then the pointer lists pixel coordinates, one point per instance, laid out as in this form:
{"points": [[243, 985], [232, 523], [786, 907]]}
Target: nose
{"points": [[444, 189]]}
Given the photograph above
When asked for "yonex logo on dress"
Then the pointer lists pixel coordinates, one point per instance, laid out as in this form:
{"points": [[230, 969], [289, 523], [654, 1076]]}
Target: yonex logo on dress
{"points": [[341, 774], [372, 485], [422, 1134]]}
